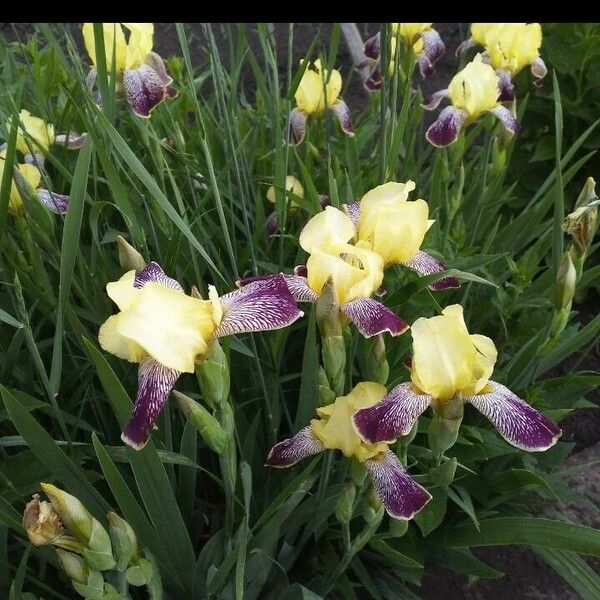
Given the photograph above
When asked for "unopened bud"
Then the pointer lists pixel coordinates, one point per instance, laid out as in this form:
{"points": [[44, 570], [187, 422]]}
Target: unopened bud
{"points": [[140, 574], [41, 522], [344, 507], [333, 351], [207, 426], [376, 365], [129, 257], [444, 474], [398, 527], [444, 426], [213, 375], [582, 222], [328, 310], [566, 280], [73, 565], [124, 541], [326, 394]]}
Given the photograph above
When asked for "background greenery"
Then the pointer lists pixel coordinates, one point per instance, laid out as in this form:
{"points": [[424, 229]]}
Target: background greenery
{"points": [[186, 188]]}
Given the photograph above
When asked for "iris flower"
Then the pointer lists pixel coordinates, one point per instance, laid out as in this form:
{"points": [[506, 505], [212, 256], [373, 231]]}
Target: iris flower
{"points": [[141, 73], [424, 41], [509, 48], [388, 223], [352, 271], [333, 430], [167, 332], [449, 364], [318, 91], [472, 92]]}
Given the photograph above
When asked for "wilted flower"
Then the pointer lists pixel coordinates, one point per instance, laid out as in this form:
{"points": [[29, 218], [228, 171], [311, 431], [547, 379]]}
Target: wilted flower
{"points": [[333, 430], [451, 367], [472, 92], [140, 72], [318, 91], [347, 273], [168, 332], [388, 223], [509, 48], [41, 522]]}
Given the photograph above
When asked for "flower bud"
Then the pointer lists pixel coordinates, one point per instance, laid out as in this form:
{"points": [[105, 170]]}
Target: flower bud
{"points": [[140, 574], [444, 474], [566, 280], [73, 565], [444, 426], [326, 394], [207, 426], [124, 541], [213, 375], [129, 257], [344, 507], [41, 522], [328, 311], [376, 366], [582, 222], [333, 351]]}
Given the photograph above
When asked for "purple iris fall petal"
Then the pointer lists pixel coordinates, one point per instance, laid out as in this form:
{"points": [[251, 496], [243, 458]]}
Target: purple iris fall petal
{"points": [[155, 383], [508, 120], [144, 89], [372, 47], [518, 423], [393, 417], [153, 272], [296, 284], [259, 306], [372, 317], [297, 126], [433, 49], [506, 86], [271, 224], [464, 46], [72, 141], [56, 203], [539, 71], [375, 80], [294, 449], [434, 100], [446, 128], [400, 494], [301, 271], [342, 112], [425, 264]]}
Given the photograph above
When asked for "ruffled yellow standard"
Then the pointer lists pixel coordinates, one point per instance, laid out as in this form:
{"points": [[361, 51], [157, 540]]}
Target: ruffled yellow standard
{"points": [[318, 91]]}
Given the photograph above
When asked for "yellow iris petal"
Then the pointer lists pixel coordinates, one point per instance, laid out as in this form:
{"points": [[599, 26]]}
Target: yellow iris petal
{"points": [[41, 134], [141, 40], [390, 225], [327, 231], [114, 40], [410, 32], [513, 46], [318, 89], [31, 175], [475, 88], [447, 359], [479, 31], [291, 185], [122, 292], [334, 426]]}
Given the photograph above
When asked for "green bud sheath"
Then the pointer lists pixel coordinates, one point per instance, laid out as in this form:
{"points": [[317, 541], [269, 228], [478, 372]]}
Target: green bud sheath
{"points": [[213, 375], [344, 506], [333, 351], [73, 565], [124, 541], [444, 426], [129, 257]]}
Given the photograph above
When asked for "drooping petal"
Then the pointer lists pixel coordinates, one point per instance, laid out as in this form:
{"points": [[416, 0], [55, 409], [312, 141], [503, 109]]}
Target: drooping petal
{"points": [[433, 48], [434, 100], [271, 224], [506, 86], [72, 141], [539, 71], [425, 264], [342, 112], [446, 128], [508, 120], [294, 449], [297, 285], [156, 62], [56, 203], [393, 417], [301, 271], [155, 383], [372, 317], [144, 89], [400, 494], [153, 272], [352, 209], [372, 47], [517, 422], [297, 126], [464, 46], [259, 306], [375, 80], [37, 160]]}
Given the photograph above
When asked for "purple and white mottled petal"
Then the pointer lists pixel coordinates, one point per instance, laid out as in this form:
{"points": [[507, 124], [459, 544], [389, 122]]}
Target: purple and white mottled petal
{"points": [[287, 453], [380, 291], [301, 271], [425, 264], [297, 126], [144, 89], [153, 272], [56, 203], [506, 86], [393, 417], [372, 47], [464, 46], [425, 65], [3, 147], [297, 284], [37, 160], [508, 120], [446, 128], [259, 306], [374, 81], [539, 71], [517, 422], [352, 209], [433, 49], [72, 141], [434, 100], [155, 383], [324, 200], [157, 64], [402, 497], [342, 112], [271, 224], [372, 317]]}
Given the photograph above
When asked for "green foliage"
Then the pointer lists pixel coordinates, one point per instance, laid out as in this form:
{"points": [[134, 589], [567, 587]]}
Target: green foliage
{"points": [[187, 188]]}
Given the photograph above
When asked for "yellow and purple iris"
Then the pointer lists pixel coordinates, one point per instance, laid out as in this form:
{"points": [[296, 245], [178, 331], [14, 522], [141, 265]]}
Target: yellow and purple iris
{"points": [[394, 227], [318, 91], [352, 272], [421, 38], [168, 332], [333, 430], [509, 48], [140, 73], [473, 92], [452, 366]]}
